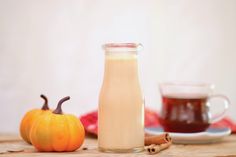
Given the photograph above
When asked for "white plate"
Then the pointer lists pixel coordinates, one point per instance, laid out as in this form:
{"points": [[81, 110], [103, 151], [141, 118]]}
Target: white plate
{"points": [[209, 136]]}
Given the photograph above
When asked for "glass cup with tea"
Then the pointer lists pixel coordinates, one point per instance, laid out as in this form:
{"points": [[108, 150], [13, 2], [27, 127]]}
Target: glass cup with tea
{"points": [[187, 107]]}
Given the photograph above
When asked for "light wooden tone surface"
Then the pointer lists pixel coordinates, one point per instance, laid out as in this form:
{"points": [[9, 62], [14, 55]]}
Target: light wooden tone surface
{"points": [[225, 148]]}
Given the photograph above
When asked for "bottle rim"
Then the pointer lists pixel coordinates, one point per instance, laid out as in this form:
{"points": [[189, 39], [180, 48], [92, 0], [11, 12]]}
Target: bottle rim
{"points": [[122, 47]]}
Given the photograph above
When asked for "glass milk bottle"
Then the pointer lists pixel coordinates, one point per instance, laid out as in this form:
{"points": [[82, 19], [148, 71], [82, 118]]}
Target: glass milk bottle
{"points": [[121, 108]]}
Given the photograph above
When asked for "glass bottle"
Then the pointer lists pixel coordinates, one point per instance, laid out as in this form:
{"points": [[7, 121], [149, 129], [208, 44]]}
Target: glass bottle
{"points": [[121, 106]]}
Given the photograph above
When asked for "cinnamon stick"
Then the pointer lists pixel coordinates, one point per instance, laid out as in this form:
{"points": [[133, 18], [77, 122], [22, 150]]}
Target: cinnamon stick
{"points": [[153, 148], [157, 139], [157, 143]]}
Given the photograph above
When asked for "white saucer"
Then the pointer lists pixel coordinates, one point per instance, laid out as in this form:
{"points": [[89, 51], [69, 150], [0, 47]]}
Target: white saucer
{"points": [[209, 136]]}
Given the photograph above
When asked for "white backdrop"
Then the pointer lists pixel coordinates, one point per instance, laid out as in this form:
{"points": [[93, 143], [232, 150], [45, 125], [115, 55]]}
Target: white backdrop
{"points": [[54, 47]]}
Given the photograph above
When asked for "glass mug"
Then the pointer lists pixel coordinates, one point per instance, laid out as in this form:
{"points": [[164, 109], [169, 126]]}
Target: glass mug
{"points": [[186, 107]]}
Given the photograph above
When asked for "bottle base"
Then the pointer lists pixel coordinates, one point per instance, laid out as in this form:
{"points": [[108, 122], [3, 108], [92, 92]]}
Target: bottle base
{"points": [[130, 150]]}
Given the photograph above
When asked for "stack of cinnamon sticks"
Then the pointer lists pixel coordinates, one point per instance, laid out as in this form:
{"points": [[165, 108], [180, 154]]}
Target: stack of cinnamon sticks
{"points": [[157, 143]]}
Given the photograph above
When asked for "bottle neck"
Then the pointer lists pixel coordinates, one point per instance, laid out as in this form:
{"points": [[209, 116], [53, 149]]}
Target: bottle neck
{"points": [[121, 62], [121, 67], [121, 55]]}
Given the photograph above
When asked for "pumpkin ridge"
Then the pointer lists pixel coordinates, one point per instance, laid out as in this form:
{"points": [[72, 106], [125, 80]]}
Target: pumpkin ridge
{"points": [[42, 145], [31, 122], [27, 123], [50, 141], [52, 146], [24, 121], [59, 134], [37, 137], [69, 130], [80, 128], [33, 138], [50, 133]]}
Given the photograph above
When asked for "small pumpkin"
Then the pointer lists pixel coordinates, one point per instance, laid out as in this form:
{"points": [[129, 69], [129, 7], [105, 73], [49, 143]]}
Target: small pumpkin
{"points": [[30, 117], [57, 131]]}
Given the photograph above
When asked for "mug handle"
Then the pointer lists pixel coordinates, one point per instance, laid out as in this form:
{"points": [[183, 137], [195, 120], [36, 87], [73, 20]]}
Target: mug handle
{"points": [[226, 103]]}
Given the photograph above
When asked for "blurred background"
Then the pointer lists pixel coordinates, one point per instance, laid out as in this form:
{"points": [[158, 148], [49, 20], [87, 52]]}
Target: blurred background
{"points": [[54, 47]]}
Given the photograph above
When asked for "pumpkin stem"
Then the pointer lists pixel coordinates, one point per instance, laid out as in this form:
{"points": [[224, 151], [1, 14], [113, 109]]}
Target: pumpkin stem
{"points": [[58, 110], [45, 105]]}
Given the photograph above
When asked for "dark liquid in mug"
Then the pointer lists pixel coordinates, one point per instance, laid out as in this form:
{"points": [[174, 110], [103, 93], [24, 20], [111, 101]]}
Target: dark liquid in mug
{"points": [[184, 113]]}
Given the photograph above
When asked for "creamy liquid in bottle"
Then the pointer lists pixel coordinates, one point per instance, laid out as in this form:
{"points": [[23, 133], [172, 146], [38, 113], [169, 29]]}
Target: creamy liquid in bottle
{"points": [[121, 108]]}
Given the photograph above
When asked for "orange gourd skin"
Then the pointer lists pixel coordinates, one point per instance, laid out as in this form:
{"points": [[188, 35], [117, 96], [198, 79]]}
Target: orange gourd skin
{"points": [[57, 132], [29, 118], [27, 122]]}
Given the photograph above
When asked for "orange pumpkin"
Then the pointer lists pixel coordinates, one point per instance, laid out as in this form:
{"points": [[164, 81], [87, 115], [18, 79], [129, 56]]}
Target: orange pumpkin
{"points": [[57, 131], [30, 117]]}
